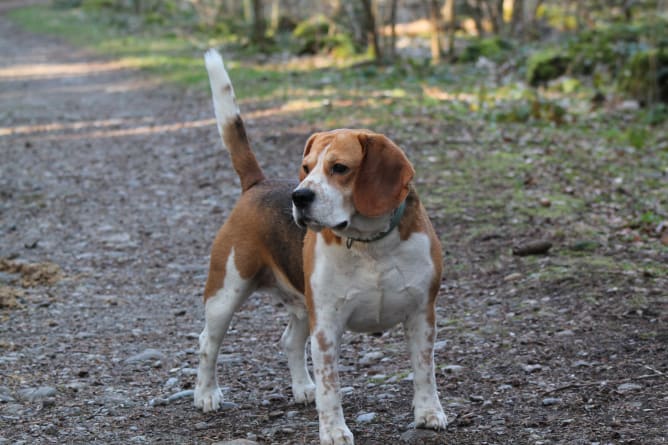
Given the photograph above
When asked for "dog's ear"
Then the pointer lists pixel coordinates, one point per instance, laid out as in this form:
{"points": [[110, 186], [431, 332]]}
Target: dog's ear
{"points": [[382, 180], [307, 150]]}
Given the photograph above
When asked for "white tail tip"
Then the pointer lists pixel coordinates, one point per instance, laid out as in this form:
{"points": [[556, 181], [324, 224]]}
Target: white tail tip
{"points": [[222, 92]]}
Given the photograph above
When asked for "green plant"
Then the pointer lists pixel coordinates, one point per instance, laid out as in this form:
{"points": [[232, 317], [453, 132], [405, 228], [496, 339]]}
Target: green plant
{"points": [[545, 65]]}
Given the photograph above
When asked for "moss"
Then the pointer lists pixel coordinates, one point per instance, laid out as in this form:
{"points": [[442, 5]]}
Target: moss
{"points": [[645, 77], [492, 48], [545, 65]]}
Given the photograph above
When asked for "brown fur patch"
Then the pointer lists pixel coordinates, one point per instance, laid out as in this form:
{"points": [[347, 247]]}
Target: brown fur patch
{"points": [[271, 250], [243, 159]]}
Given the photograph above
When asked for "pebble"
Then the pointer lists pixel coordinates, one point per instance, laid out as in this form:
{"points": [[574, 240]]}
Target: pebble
{"points": [[420, 437], [532, 368], [439, 345], [628, 387], [365, 418], [172, 381], [453, 369], [181, 395], [549, 401], [5, 394], [146, 355], [40, 393], [236, 442], [371, 357]]}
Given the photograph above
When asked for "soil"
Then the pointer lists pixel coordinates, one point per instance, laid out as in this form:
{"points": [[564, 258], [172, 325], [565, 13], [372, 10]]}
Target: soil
{"points": [[113, 186]]}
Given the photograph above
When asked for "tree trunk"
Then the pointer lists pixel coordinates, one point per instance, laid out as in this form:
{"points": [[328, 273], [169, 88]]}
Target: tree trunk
{"points": [[451, 19], [393, 29], [436, 21], [516, 25], [275, 16], [476, 8], [371, 31], [259, 25]]}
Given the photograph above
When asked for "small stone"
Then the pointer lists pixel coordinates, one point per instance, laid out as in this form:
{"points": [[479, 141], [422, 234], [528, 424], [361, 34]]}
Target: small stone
{"points": [[172, 381], [5, 395], [565, 333], [512, 277], [236, 442], [371, 357], [181, 395], [146, 355], [421, 437], [549, 401], [347, 390], [199, 426], [33, 394], [439, 345], [532, 368], [453, 369], [628, 387], [365, 418]]}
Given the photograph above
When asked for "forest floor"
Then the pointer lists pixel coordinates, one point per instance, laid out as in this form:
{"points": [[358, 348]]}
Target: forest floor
{"points": [[113, 185]]}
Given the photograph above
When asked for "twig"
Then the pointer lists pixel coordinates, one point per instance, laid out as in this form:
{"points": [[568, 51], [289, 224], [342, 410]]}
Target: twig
{"points": [[607, 382]]}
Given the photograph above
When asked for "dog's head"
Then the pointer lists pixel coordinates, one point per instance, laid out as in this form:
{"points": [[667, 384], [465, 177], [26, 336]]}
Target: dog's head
{"points": [[350, 181]]}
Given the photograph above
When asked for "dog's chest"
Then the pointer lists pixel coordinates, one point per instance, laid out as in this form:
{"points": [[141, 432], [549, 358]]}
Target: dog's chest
{"points": [[374, 286]]}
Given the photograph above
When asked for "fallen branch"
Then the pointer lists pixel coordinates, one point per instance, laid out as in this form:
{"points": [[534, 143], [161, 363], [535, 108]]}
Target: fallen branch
{"points": [[607, 382]]}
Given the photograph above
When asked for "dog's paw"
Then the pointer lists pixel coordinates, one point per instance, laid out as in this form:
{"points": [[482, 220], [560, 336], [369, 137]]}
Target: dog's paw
{"points": [[208, 399], [304, 393], [431, 418], [339, 435]]}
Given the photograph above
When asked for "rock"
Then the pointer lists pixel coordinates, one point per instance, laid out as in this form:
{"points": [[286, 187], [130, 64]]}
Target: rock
{"points": [[532, 368], [181, 395], [453, 369], [537, 247], [171, 382], [628, 387], [421, 437], [236, 442], [549, 401], [371, 357], [146, 355], [34, 394], [365, 418], [439, 345], [5, 395], [512, 277]]}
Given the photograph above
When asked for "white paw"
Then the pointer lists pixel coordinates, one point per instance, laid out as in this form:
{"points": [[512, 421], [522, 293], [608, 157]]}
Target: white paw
{"points": [[431, 418], [208, 399], [339, 435], [304, 393]]}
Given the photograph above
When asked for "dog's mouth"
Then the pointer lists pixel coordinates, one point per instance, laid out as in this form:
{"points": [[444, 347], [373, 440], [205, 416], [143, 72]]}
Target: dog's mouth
{"points": [[305, 221]]}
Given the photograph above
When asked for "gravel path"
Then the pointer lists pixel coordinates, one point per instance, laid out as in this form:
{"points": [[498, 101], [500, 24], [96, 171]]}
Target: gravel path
{"points": [[112, 187]]}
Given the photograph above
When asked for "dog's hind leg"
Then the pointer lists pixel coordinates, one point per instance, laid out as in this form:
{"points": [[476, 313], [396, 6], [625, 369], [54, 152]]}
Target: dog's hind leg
{"points": [[294, 345], [219, 309]]}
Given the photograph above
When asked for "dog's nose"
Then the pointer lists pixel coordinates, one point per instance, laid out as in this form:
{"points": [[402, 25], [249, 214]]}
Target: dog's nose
{"points": [[302, 197]]}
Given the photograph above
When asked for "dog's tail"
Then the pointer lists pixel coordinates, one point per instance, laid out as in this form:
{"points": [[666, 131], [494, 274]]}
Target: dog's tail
{"points": [[230, 124]]}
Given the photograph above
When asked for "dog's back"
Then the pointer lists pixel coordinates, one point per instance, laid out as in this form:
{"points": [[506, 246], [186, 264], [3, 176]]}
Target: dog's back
{"points": [[263, 214]]}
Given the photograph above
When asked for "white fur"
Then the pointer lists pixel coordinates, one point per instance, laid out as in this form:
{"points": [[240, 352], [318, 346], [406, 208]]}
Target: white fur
{"points": [[219, 310], [218, 314], [224, 104], [331, 207], [372, 287]]}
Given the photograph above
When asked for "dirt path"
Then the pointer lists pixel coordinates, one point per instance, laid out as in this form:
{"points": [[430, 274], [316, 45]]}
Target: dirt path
{"points": [[121, 182]]}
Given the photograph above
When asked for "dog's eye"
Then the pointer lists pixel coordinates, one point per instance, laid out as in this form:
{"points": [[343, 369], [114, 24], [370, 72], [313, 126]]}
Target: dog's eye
{"points": [[305, 168], [339, 169]]}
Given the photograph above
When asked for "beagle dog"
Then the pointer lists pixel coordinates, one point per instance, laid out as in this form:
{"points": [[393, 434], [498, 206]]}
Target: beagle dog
{"points": [[349, 246]]}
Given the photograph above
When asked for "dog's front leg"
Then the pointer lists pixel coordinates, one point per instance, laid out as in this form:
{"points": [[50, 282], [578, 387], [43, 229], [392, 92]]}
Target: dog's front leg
{"points": [[420, 331], [324, 353]]}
